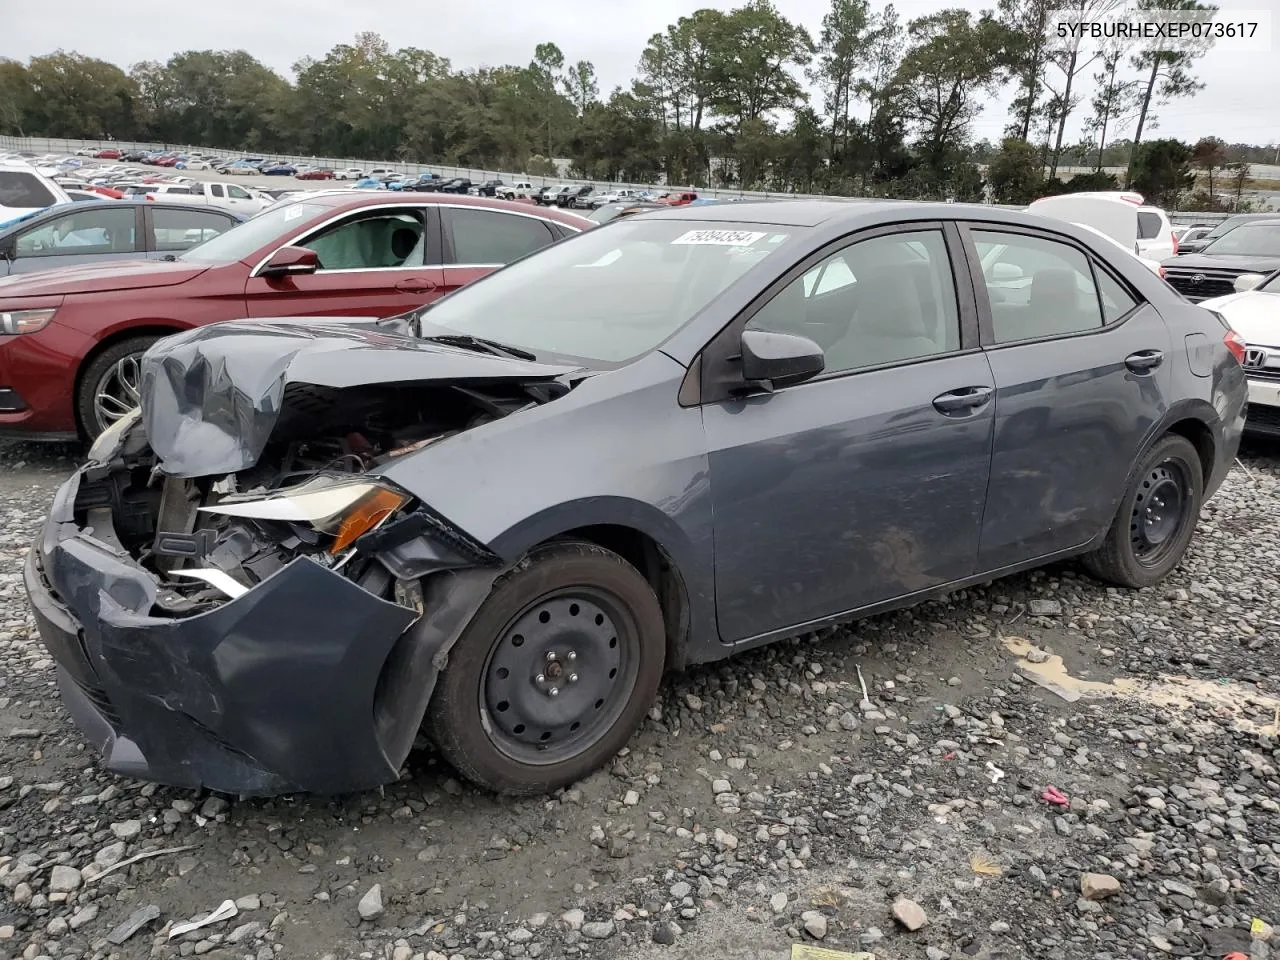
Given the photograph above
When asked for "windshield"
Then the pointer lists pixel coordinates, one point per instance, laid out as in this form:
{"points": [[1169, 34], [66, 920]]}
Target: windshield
{"points": [[250, 236], [1249, 239], [609, 294]]}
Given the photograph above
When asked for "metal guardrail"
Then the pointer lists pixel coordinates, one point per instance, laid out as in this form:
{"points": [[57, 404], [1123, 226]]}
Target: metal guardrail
{"points": [[41, 145]]}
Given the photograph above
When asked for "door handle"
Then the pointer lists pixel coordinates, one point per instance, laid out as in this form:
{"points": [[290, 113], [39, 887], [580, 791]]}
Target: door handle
{"points": [[416, 285], [962, 400], [1144, 360]]}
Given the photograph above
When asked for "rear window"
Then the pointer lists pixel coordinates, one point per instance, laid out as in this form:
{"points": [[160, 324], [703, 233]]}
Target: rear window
{"points": [[21, 189], [1148, 225]]}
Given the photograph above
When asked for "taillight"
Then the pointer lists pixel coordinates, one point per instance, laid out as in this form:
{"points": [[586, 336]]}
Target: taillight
{"points": [[1174, 237], [1160, 270], [1234, 343]]}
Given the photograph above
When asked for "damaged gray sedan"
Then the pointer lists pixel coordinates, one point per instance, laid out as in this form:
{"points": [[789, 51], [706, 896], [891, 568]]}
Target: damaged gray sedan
{"points": [[497, 521]]}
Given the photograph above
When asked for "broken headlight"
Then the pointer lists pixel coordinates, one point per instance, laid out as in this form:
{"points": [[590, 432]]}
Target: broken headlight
{"points": [[341, 508]]}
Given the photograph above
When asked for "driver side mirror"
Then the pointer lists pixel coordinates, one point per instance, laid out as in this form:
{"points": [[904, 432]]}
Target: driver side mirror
{"points": [[1248, 281], [771, 360], [291, 261]]}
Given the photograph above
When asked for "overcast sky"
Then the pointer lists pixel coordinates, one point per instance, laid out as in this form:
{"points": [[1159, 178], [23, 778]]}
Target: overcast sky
{"points": [[1238, 103]]}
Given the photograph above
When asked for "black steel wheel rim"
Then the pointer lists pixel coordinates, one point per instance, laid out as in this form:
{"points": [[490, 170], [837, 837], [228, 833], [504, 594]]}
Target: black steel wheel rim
{"points": [[560, 675], [1160, 512]]}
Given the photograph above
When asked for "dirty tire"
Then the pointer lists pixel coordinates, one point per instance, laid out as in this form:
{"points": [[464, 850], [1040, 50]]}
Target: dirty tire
{"points": [[463, 718], [86, 415], [1171, 463]]}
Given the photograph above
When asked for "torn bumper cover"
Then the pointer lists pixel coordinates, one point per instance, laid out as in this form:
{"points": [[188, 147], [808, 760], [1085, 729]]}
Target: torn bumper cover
{"points": [[304, 683]]}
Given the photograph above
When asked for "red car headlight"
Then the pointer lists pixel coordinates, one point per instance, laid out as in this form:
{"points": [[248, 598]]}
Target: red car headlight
{"points": [[13, 322]]}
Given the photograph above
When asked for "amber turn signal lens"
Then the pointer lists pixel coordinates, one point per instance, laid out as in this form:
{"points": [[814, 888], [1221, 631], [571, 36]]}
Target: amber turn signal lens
{"points": [[366, 514]]}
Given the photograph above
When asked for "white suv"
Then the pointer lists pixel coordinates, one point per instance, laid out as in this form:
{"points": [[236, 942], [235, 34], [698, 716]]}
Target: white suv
{"points": [[1156, 239], [25, 190]]}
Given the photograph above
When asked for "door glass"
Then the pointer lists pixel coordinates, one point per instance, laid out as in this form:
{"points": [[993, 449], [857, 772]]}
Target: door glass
{"points": [[383, 241], [215, 189], [237, 193], [182, 229], [488, 237], [1037, 287], [883, 300], [19, 189], [86, 232], [1116, 300]]}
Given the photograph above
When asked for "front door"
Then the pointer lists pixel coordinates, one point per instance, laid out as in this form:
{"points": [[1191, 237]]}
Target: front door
{"points": [[1082, 367], [867, 483], [375, 263], [99, 234]]}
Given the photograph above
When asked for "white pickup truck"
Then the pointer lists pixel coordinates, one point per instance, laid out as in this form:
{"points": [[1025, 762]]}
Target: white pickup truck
{"points": [[228, 196], [521, 188]]}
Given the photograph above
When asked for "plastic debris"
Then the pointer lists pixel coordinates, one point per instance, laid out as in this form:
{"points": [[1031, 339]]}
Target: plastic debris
{"points": [[145, 855], [1052, 795], [137, 920], [803, 951], [982, 864], [226, 910], [994, 773]]}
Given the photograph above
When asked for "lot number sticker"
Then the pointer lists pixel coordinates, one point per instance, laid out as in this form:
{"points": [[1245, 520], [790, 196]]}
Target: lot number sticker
{"points": [[718, 238]]}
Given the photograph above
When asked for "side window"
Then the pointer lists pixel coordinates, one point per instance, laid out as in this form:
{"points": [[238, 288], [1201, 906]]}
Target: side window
{"points": [[883, 300], [486, 236], [1037, 287], [382, 241], [1116, 300], [184, 191], [237, 193], [1148, 225], [183, 229], [215, 189], [90, 231]]}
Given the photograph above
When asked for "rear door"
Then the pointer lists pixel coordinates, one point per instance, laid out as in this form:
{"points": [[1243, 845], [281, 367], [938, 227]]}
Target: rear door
{"points": [[171, 230], [478, 241], [375, 262], [1082, 367]]}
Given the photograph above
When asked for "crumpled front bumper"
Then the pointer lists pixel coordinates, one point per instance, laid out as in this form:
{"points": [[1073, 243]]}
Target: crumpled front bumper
{"points": [[306, 683]]}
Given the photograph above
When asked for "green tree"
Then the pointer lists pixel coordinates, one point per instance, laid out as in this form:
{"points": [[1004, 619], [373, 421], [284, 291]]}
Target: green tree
{"points": [[1166, 68], [15, 96], [77, 96], [1015, 172], [1027, 55], [1162, 171], [580, 86], [952, 63], [1114, 98], [1072, 57], [843, 45], [1209, 155]]}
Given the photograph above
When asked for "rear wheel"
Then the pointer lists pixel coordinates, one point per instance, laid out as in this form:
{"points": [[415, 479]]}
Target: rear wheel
{"points": [[1156, 518], [554, 673], [111, 385]]}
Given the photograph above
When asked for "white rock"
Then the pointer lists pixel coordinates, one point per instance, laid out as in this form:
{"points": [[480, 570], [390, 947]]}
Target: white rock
{"points": [[371, 903]]}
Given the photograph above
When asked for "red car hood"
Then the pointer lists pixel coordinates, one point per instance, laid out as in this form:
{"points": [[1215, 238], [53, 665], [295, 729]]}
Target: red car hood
{"points": [[99, 278]]}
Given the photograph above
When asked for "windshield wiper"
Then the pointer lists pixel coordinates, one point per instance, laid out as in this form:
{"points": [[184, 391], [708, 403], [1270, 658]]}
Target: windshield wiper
{"points": [[468, 342]]}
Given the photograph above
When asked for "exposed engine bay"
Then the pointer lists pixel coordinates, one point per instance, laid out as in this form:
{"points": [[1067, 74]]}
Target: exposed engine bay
{"points": [[209, 539]]}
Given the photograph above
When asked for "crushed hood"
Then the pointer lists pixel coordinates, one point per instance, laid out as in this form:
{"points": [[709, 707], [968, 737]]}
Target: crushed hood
{"points": [[212, 396], [1235, 262], [100, 278]]}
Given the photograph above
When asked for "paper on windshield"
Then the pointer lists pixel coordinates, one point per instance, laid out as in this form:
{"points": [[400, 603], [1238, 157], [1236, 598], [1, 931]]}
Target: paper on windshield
{"points": [[718, 238]]}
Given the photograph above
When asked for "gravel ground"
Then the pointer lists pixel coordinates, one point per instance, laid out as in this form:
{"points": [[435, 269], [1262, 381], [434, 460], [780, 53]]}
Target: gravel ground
{"points": [[766, 801]]}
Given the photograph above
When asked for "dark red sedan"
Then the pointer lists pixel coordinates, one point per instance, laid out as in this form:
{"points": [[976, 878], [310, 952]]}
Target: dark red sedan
{"points": [[314, 175], [71, 338]]}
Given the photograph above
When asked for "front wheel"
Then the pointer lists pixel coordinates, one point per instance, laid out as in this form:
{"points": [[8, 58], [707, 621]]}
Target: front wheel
{"points": [[1156, 519], [554, 673], [110, 387]]}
